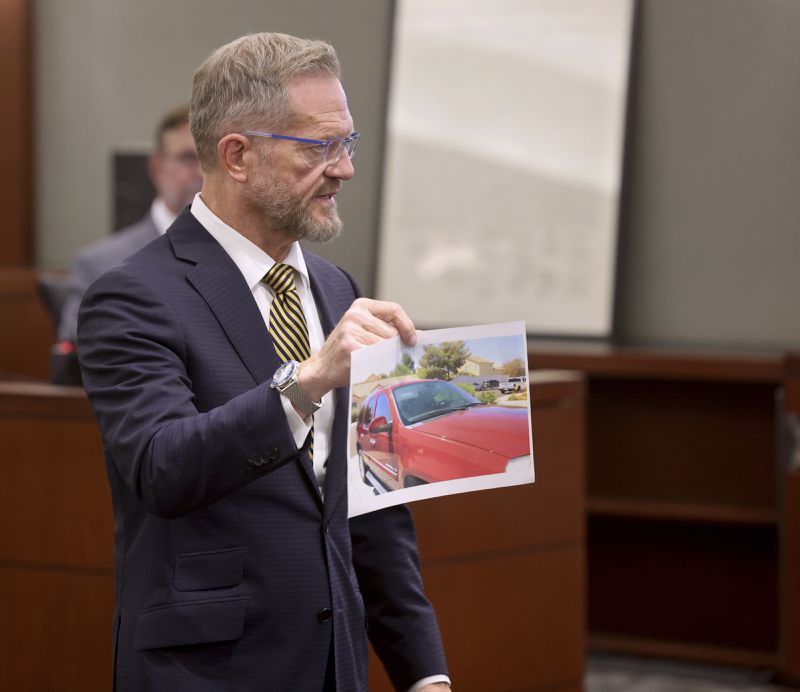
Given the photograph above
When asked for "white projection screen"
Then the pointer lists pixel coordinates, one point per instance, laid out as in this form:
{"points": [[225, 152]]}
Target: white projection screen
{"points": [[504, 156]]}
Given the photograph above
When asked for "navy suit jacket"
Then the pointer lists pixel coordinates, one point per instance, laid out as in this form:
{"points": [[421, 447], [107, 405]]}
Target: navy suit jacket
{"points": [[231, 572]]}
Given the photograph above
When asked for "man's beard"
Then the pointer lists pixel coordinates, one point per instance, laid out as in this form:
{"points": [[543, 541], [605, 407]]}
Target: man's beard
{"points": [[285, 210]]}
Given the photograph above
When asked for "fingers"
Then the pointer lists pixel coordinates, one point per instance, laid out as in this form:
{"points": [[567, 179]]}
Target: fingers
{"points": [[386, 319], [367, 322]]}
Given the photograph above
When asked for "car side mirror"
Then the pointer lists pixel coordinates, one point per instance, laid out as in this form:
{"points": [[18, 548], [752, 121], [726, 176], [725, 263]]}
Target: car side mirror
{"points": [[380, 425]]}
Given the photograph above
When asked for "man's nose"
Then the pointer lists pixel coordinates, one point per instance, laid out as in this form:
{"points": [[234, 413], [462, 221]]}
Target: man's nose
{"points": [[343, 168]]}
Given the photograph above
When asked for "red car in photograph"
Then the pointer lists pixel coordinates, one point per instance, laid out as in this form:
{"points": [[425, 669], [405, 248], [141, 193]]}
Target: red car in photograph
{"points": [[424, 431]]}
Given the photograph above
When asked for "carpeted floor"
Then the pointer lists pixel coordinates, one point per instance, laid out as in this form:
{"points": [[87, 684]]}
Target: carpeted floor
{"points": [[615, 673]]}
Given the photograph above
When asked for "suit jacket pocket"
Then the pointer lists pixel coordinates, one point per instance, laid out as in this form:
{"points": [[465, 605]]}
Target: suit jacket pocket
{"points": [[192, 622], [212, 569]]}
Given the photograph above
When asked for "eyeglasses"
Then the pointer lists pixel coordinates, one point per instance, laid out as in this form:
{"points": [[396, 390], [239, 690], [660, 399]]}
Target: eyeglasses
{"points": [[327, 151]]}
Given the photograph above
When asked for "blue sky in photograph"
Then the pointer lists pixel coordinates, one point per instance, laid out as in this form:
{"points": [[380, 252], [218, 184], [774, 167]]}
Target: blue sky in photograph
{"points": [[498, 349]]}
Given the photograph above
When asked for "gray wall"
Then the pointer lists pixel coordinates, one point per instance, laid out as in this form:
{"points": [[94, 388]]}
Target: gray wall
{"points": [[711, 218], [710, 241], [107, 69]]}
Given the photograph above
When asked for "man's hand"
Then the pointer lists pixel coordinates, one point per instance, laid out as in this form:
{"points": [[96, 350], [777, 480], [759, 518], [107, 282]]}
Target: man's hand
{"points": [[366, 322]]}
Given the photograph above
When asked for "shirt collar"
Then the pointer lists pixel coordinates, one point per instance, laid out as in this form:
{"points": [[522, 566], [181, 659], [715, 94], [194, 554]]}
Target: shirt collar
{"points": [[251, 260], [161, 215]]}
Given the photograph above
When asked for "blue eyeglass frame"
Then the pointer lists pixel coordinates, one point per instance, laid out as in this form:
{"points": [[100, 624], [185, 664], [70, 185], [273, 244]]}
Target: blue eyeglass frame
{"points": [[319, 142]]}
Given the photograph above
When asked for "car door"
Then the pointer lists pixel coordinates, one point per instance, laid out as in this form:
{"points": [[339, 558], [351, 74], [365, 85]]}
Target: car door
{"points": [[380, 444]]}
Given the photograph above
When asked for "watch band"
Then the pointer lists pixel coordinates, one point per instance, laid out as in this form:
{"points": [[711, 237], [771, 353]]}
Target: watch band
{"points": [[294, 393], [286, 383]]}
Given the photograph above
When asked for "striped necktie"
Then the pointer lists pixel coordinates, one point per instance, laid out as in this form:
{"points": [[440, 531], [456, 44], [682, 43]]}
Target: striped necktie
{"points": [[287, 323]]}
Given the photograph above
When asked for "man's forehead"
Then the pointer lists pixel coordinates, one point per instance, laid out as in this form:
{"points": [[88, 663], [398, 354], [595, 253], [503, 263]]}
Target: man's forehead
{"points": [[319, 102]]}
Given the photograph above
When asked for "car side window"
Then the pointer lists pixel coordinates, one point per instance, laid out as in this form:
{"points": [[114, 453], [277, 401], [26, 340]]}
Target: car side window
{"points": [[382, 408], [366, 412]]}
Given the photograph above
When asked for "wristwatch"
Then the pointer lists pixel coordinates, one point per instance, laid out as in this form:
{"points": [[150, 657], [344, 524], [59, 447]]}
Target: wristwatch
{"points": [[285, 382]]}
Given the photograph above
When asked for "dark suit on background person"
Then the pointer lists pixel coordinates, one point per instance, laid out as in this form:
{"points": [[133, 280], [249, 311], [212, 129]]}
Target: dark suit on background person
{"points": [[175, 172], [92, 261], [254, 573]]}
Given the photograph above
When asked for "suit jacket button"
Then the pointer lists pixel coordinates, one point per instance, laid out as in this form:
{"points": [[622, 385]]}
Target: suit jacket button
{"points": [[325, 614], [274, 453], [248, 465]]}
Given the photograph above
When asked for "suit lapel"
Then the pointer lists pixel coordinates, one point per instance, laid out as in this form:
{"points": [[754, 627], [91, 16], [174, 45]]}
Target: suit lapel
{"points": [[218, 280]]}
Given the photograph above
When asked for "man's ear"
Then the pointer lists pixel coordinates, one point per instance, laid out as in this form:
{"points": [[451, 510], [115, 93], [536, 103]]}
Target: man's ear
{"points": [[231, 151]]}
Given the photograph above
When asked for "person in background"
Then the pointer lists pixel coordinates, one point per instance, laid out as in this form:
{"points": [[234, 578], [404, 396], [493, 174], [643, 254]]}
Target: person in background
{"points": [[217, 363], [175, 172]]}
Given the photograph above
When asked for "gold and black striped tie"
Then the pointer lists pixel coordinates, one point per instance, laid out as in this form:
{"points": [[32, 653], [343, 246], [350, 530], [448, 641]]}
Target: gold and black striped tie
{"points": [[287, 323]]}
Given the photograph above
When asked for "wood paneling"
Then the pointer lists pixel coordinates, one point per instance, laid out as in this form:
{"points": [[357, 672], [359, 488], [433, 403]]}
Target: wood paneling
{"points": [[711, 585], [56, 634], [60, 464], [16, 169], [56, 547], [28, 331], [659, 363], [512, 622], [684, 503], [709, 443]]}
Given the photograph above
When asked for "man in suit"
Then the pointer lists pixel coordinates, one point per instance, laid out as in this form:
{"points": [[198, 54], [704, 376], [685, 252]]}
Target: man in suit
{"points": [[175, 172], [236, 566]]}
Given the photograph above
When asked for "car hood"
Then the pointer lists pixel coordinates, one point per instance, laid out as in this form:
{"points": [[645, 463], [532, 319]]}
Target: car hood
{"points": [[493, 428]]}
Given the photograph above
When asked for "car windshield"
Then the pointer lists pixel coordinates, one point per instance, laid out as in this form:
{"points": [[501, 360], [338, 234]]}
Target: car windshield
{"points": [[419, 401]]}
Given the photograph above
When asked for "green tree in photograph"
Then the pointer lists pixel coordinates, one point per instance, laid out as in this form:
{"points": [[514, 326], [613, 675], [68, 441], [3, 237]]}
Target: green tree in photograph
{"points": [[442, 361], [404, 367], [514, 368]]}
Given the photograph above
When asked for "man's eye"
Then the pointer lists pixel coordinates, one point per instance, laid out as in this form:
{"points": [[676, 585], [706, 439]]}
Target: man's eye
{"points": [[313, 153]]}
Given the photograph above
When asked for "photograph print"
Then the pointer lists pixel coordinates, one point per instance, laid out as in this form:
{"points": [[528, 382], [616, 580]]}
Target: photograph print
{"points": [[450, 415]]}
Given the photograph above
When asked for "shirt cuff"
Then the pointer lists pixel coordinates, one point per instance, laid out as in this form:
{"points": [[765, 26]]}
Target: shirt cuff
{"points": [[299, 427], [428, 681]]}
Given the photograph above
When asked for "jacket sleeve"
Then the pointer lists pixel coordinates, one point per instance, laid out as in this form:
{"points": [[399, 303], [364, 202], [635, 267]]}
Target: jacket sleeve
{"points": [[402, 625], [175, 458]]}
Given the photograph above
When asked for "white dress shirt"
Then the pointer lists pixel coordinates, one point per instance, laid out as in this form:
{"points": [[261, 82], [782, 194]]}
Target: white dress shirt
{"points": [[162, 215]]}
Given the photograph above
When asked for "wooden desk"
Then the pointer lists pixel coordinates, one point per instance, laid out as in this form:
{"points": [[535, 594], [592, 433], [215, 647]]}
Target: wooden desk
{"points": [[504, 568], [56, 544], [686, 502]]}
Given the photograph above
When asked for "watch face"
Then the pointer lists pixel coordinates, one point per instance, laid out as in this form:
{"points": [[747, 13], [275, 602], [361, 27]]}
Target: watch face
{"points": [[284, 373]]}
